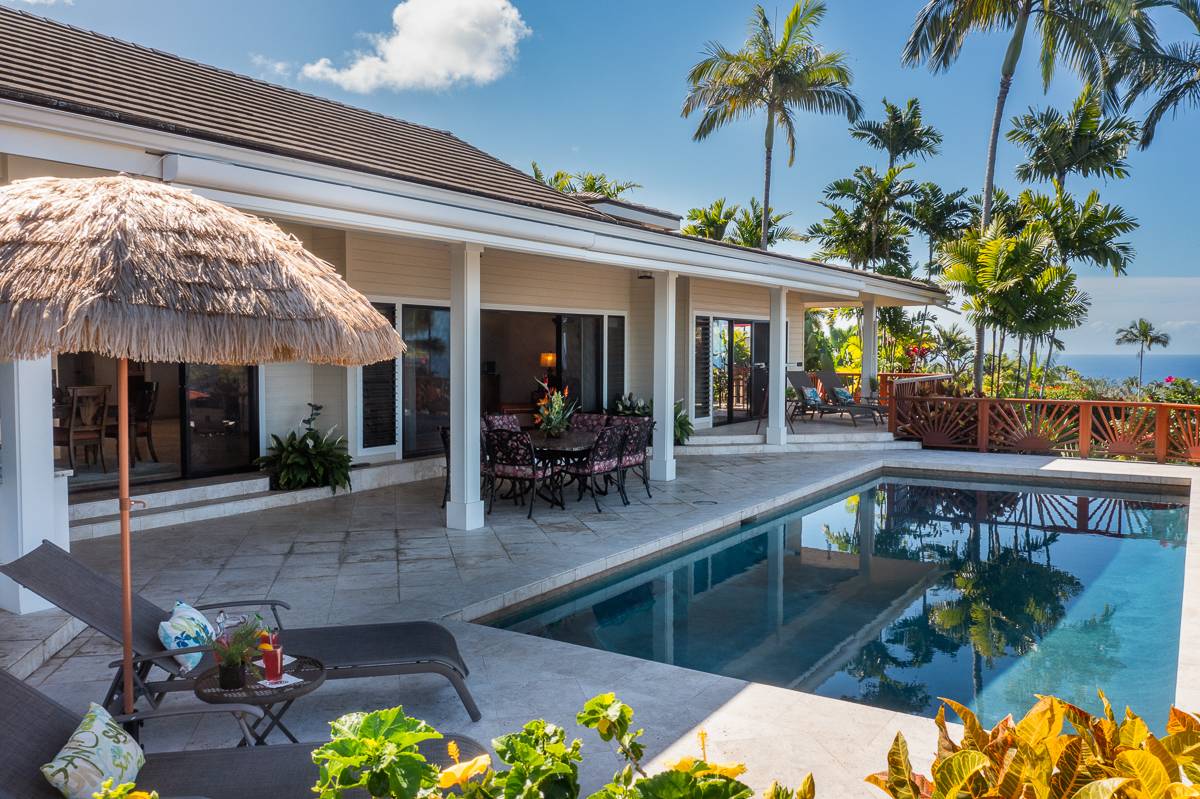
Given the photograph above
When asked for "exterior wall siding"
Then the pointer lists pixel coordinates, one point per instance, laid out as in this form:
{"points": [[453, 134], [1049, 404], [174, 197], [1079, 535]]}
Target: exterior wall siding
{"points": [[720, 297]]}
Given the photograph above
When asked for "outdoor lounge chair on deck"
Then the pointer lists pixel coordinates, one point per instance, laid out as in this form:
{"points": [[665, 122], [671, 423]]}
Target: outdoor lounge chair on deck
{"points": [[34, 728], [359, 650], [838, 393], [811, 400]]}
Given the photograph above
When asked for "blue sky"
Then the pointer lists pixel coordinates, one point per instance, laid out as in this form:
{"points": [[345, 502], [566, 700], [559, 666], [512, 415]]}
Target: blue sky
{"points": [[598, 86]]}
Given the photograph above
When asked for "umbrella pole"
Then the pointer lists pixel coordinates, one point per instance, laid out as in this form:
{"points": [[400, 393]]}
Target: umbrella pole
{"points": [[126, 559]]}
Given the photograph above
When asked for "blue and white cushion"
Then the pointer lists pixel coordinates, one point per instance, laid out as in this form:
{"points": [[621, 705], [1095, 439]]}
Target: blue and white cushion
{"points": [[811, 396], [843, 396], [98, 750], [186, 628]]}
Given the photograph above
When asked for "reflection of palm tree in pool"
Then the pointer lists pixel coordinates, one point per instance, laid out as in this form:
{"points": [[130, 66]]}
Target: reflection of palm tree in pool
{"points": [[870, 667], [1057, 667]]}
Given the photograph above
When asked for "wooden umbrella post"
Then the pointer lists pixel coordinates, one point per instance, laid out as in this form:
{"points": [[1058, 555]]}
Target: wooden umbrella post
{"points": [[125, 504]]}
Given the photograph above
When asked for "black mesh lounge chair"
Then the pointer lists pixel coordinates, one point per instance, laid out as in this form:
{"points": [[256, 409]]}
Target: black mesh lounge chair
{"points": [[833, 385], [33, 728], [358, 650], [811, 400]]}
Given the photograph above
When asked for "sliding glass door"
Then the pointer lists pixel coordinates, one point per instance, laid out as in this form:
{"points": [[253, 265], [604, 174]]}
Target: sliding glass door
{"points": [[735, 371], [220, 418], [426, 378]]}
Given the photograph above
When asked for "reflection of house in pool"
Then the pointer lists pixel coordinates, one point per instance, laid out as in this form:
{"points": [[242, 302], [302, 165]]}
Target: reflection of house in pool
{"points": [[757, 606]]}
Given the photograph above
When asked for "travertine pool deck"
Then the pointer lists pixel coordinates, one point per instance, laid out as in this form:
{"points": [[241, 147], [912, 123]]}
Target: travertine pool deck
{"points": [[383, 555]]}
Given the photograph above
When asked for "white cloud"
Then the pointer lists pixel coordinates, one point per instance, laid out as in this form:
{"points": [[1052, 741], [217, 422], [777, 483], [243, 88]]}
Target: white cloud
{"points": [[433, 44], [269, 67]]}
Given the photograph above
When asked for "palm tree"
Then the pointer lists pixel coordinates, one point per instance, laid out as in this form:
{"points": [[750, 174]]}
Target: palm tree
{"points": [[711, 221], [1144, 334], [1083, 142], [937, 215], [1172, 73], [776, 75], [1081, 32], [588, 182], [748, 227], [901, 133], [952, 347], [864, 233]]}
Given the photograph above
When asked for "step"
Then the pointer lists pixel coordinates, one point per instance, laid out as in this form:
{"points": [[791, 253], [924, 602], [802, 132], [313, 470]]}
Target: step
{"points": [[27, 642], [839, 445], [170, 494]]}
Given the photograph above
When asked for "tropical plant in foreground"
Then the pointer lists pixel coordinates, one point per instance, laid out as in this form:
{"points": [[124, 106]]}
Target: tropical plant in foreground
{"points": [[1081, 32], [376, 752], [777, 75], [1095, 757], [126, 790], [1142, 333], [307, 459], [683, 424]]}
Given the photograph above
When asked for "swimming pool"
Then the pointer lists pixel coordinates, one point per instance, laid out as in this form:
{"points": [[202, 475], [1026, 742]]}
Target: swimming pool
{"points": [[904, 590]]}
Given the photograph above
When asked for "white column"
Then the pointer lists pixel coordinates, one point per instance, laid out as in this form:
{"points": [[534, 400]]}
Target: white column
{"points": [[662, 463], [32, 501], [464, 511], [866, 531], [870, 346], [777, 369]]}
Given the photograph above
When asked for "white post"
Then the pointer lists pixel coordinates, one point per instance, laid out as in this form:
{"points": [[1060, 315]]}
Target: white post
{"points": [[777, 369], [870, 347], [662, 462], [866, 531], [464, 511], [32, 501]]}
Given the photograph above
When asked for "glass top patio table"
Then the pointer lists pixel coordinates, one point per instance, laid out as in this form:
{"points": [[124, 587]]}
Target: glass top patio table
{"points": [[568, 444]]}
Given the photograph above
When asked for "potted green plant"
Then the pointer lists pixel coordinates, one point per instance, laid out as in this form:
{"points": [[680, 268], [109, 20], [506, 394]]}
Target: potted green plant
{"points": [[554, 412], [307, 459], [235, 651]]}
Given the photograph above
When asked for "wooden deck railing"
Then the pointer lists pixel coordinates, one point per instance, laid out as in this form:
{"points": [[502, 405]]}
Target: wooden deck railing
{"points": [[886, 380], [1151, 431]]}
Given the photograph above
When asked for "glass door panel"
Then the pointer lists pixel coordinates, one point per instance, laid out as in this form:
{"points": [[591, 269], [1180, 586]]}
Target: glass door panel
{"points": [[221, 419], [720, 371], [741, 370], [426, 378]]}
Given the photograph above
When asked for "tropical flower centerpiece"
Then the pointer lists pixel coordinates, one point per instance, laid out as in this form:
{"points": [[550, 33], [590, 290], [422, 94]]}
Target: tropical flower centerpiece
{"points": [[554, 412]]}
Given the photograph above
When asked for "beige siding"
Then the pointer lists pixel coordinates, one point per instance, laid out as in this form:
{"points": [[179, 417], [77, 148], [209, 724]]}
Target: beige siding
{"points": [[390, 266], [795, 353], [719, 297], [640, 337], [329, 391], [288, 387], [511, 279], [683, 340]]}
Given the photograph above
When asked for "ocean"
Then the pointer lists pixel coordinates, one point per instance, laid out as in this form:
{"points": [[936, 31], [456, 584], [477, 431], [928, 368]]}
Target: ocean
{"points": [[1159, 365]]}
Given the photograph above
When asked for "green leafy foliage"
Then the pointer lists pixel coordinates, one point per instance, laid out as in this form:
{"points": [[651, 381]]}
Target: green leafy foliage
{"points": [[376, 752], [683, 424], [542, 765], [554, 412], [1057, 751], [631, 405], [307, 459]]}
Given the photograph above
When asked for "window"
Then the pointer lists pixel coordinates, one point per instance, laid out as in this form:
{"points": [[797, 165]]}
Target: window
{"points": [[703, 377], [616, 360], [426, 378], [379, 395]]}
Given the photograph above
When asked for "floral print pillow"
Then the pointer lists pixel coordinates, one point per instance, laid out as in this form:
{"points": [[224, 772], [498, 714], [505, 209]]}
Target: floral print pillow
{"points": [[187, 627], [98, 750], [843, 396]]}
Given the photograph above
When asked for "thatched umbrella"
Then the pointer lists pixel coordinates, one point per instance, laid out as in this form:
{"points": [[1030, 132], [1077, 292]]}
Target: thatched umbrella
{"points": [[139, 270]]}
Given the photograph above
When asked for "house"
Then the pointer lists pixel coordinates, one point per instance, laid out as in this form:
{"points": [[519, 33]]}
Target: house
{"points": [[493, 279]]}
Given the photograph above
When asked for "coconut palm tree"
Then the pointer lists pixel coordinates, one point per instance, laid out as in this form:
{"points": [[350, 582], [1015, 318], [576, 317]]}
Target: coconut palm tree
{"points": [[1172, 73], [748, 228], [937, 215], [1082, 141], [901, 133], [1142, 333], [777, 75], [711, 221], [1080, 32]]}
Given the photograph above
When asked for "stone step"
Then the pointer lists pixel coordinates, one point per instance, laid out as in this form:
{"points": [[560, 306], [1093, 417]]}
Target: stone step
{"points": [[172, 494], [840, 445]]}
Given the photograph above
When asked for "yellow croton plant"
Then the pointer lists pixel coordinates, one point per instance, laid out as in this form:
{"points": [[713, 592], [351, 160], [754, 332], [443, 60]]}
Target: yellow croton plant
{"points": [[1057, 751]]}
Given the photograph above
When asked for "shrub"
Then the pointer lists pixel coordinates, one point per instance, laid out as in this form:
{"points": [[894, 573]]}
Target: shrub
{"points": [[1100, 758], [683, 424], [630, 405], [307, 460]]}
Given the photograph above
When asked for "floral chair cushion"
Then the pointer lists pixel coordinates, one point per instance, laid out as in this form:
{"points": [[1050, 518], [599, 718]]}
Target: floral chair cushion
{"points": [[98, 750], [593, 467], [523, 472], [502, 421], [186, 628]]}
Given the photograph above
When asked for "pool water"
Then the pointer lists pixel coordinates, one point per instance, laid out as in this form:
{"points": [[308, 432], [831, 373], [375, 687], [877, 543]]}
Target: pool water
{"points": [[904, 591]]}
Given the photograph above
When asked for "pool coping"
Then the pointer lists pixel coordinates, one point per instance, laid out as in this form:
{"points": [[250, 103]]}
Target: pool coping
{"points": [[1110, 475]]}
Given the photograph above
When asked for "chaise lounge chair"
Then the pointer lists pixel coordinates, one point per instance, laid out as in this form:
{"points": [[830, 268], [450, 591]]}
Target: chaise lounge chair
{"points": [[34, 728], [812, 402], [837, 393], [360, 650]]}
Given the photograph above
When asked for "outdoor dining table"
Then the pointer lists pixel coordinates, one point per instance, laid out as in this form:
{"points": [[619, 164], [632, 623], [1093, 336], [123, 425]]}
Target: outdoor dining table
{"points": [[563, 448]]}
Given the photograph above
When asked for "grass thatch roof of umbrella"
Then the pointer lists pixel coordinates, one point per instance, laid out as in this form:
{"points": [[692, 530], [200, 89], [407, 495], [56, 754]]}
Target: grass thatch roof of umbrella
{"points": [[142, 270]]}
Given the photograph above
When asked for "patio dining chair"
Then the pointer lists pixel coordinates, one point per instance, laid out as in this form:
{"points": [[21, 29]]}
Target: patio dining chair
{"points": [[501, 421], [34, 728], [634, 452], [485, 466], [602, 464], [84, 428], [384, 649], [588, 422], [513, 458]]}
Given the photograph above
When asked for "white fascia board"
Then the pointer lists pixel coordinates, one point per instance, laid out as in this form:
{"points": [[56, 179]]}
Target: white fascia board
{"points": [[326, 216]]}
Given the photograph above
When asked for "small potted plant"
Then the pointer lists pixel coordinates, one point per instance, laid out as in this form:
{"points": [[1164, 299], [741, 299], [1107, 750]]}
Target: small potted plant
{"points": [[553, 415], [235, 651]]}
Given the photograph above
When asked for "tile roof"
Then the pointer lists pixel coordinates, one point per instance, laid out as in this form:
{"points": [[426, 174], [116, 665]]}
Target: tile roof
{"points": [[51, 64]]}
